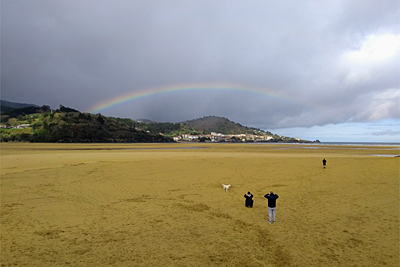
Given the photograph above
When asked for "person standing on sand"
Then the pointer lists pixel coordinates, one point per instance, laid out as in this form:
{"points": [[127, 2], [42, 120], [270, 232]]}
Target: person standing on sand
{"points": [[249, 200], [271, 205], [324, 163]]}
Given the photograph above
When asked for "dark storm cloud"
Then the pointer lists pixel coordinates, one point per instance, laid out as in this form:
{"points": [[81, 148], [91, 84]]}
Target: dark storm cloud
{"points": [[315, 56]]}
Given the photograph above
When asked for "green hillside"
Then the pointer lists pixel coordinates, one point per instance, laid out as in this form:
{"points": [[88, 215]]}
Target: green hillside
{"points": [[222, 125], [73, 127]]}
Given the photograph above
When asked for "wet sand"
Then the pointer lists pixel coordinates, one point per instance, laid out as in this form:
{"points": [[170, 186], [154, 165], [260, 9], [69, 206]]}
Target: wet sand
{"points": [[164, 205]]}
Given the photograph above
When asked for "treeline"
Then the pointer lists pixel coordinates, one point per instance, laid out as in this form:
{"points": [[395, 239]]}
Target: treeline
{"points": [[67, 125]]}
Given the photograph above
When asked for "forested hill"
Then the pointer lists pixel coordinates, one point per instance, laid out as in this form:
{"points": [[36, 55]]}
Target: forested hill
{"points": [[66, 126], [222, 125], [7, 106]]}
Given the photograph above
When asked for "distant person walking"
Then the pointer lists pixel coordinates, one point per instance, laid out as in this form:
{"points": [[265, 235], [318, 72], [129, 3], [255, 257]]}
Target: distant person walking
{"points": [[249, 200], [271, 205], [324, 163]]}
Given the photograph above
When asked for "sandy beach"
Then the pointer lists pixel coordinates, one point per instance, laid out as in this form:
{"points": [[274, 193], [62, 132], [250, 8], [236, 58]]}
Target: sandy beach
{"points": [[164, 205]]}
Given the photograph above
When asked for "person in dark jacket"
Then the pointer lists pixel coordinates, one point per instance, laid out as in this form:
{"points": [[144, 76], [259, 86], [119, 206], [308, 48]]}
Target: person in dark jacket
{"points": [[271, 205], [324, 163], [249, 200]]}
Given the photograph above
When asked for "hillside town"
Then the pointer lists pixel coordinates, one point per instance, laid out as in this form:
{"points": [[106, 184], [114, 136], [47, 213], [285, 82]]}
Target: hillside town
{"points": [[218, 137], [20, 126]]}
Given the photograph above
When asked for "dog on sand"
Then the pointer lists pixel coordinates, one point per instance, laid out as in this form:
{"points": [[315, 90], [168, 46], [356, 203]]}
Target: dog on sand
{"points": [[226, 187]]}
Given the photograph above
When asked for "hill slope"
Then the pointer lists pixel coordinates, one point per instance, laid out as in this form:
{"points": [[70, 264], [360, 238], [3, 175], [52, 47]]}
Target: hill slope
{"points": [[8, 106], [5, 103], [222, 125], [74, 127]]}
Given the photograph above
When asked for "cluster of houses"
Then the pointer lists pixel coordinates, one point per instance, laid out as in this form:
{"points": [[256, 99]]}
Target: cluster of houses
{"points": [[21, 126], [218, 137]]}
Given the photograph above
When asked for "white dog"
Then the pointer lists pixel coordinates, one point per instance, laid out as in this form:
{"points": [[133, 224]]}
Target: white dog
{"points": [[226, 186]]}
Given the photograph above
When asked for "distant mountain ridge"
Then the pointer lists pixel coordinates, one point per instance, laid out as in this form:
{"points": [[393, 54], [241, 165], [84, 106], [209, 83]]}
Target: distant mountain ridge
{"points": [[217, 124], [15, 105], [7, 105]]}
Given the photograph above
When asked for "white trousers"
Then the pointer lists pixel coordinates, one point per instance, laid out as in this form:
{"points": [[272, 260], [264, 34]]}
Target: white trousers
{"points": [[271, 212]]}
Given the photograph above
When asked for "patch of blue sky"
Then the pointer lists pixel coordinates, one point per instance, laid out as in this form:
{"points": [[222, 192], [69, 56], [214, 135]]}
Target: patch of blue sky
{"points": [[382, 131]]}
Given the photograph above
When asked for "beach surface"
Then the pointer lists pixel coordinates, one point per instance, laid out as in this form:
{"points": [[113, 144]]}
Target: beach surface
{"points": [[164, 205]]}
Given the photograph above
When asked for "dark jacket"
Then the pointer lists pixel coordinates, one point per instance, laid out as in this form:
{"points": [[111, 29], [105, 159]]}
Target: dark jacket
{"points": [[271, 200], [249, 200]]}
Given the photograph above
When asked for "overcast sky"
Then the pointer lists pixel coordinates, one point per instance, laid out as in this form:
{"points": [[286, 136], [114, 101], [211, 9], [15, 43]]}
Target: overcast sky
{"points": [[326, 70]]}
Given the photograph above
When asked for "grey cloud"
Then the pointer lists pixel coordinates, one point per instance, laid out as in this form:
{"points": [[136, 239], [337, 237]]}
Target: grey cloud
{"points": [[78, 53]]}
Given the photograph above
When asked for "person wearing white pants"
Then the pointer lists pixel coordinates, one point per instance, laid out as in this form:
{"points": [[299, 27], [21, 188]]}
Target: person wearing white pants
{"points": [[271, 205]]}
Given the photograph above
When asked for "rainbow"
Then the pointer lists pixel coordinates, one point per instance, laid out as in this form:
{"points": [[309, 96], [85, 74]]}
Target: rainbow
{"points": [[136, 95]]}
